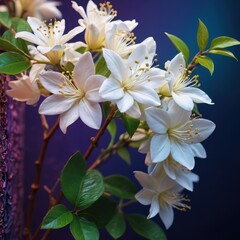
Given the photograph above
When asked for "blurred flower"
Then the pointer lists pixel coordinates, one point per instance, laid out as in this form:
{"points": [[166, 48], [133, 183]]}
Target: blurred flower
{"points": [[37, 8], [49, 38], [75, 95]]}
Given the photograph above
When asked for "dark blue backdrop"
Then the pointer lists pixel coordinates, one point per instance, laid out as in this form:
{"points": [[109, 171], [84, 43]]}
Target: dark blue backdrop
{"points": [[215, 200]]}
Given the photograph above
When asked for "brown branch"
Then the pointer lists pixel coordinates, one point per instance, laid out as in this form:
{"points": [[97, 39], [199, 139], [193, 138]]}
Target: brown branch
{"points": [[37, 176], [95, 139]]}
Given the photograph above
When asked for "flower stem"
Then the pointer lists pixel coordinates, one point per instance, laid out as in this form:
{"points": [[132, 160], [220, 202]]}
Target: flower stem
{"points": [[47, 134]]}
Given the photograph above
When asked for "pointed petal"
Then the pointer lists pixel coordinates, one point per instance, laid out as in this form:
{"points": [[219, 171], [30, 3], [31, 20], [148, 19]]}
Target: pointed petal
{"points": [[186, 179], [166, 214], [198, 150], [27, 36], [69, 117], [182, 153], [197, 95], [71, 34], [111, 90], [183, 101], [83, 70], [169, 169], [177, 65], [134, 111], [115, 65], [154, 209], [90, 113], [146, 181], [79, 9], [145, 95], [157, 120], [93, 37], [159, 147], [145, 196], [55, 104], [125, 103], [137, 56], [35, 23]]}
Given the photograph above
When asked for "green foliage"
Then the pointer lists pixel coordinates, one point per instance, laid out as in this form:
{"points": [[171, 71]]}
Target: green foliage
{"points": [[83, 229], [225, 53], [72, 177], [130, 124], [100, 212], [101, 67], [120, 186], [13, 63], [223, 42], [124, 154], [57, 217], [202, 35], [145, 228], [117, 226], [91, 189], [4, 19], [180, 46], [112, 129], [206, 62]]}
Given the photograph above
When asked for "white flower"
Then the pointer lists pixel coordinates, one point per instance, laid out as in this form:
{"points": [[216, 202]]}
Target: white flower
{"points": [[74, 96], [182, 87], [176, 172], [119, 37], [162, 193], [176, 134], [24, 90], [129, 83], [95, 20], [42, 9], [49, 38]]}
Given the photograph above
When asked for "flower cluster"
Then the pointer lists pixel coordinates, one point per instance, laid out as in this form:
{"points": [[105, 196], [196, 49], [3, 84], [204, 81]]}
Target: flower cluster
{"points": [[163, 99], [77, 79]]}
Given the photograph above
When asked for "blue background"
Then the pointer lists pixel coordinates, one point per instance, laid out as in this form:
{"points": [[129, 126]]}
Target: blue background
{"points": [[215, 200]]}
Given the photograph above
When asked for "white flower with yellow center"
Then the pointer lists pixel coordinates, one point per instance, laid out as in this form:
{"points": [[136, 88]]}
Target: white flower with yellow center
{"points": [[94, 20], [74, 96], [49, 38], [176, 134], [42, 9], [183, 88], [163, 194], [130, 81]]}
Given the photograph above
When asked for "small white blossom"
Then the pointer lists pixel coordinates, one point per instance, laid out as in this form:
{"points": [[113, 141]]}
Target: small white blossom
{"points": [[181, 87], [175, 133], [130, 81], [162, 193], [49, 38], [74, 96]]}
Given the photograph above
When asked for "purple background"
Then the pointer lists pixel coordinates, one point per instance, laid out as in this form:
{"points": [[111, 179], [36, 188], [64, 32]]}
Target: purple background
{"points": [[215, 212]]}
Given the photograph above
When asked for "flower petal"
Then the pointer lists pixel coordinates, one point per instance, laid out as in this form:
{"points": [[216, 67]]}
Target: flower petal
{"points": [[55, 104], [154, 209], [115, 65], [111, 89], [134, 111], [159, 147], [125, 103], [176, 66], [146, 181], [157, 120], [71, 34], [27, 36], [145, 196], [69, 117], [166, 214], [83, 70], [198, 150], [90, 113], [183, 101]]}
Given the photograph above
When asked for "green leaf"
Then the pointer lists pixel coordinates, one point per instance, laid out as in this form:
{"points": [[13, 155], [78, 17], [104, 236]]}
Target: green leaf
{"points": [[130, 124], [112, 129], [145, 228], [4, 19], [19, 44], [206, 62], [13, 63], [195, 110], [117, 226], [82, 229], [81, 50], [57, 217], [223, 42], [124, 154], [7, 46], [100, 212], [120, 186], [106, 108], [72, 177], [223, 53], [202, 35], [101, 67], [20, 24], [91, 190], [180, 45]]}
